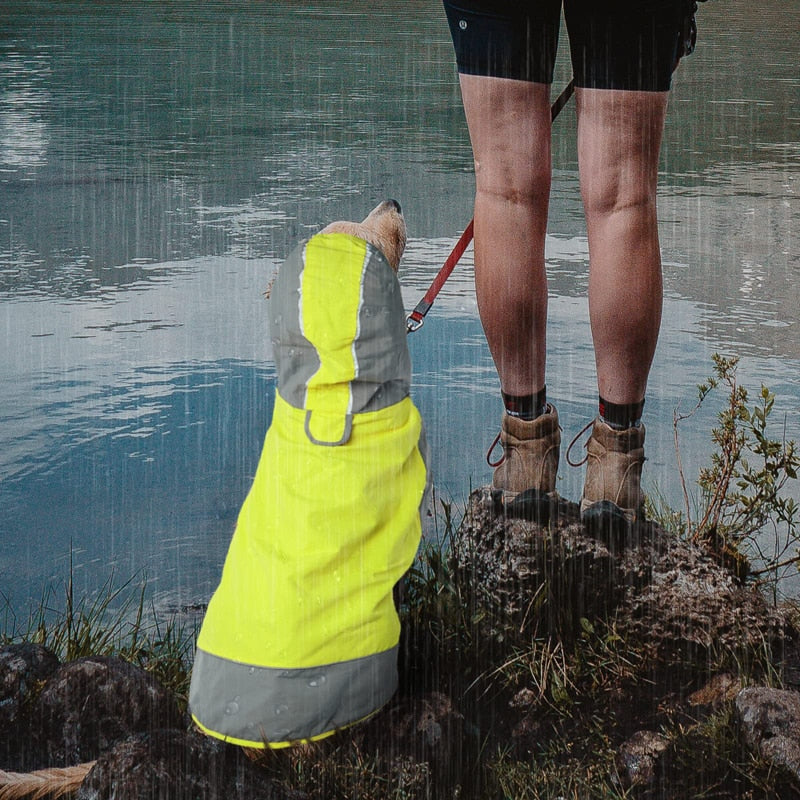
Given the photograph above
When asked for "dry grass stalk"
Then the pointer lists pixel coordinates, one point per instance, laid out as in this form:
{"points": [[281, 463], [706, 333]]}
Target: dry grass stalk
{"points": [[51, 783]]}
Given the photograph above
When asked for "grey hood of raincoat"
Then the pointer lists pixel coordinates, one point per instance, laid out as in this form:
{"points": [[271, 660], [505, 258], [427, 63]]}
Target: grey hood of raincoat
{"points": [[383, 375]]}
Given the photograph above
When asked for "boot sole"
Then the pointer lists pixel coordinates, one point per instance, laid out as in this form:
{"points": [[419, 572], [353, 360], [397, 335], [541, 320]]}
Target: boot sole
{"points": [[534, 505], [607, 522]]}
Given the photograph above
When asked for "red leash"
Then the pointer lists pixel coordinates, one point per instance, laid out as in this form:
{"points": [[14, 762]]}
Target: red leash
{"points": [[416, 318]]}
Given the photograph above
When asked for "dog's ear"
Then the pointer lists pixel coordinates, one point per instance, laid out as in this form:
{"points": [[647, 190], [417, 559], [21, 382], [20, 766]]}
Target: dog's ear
{"points": [[384, 228], [387, 227]]}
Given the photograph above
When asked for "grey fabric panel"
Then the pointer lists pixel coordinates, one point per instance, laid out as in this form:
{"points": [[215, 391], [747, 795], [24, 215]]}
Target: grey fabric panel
{"points": [[376, 396], [384, 363], [425, 452], [260, 704], [295, 357]]}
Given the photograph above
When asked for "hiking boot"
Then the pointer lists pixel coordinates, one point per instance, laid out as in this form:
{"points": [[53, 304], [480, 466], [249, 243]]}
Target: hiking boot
{"points": [[530, 454], [613, 473]]}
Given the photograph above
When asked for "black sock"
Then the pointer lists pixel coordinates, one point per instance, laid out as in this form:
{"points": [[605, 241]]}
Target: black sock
{"points": [[621, 417], [526, 406]]}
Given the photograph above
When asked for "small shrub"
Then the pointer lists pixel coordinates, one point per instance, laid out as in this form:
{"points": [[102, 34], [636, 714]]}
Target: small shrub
{"points": [[741, 490]]}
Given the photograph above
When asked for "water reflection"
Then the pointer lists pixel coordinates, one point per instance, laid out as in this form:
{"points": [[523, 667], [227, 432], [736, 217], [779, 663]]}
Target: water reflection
{"points": [[729, 190], [23, 137], [738, 246], [146, 478], [23, 103]]}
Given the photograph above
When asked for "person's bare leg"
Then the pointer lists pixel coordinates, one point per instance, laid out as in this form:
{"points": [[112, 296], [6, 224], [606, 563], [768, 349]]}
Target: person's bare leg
{"points": [[619, 137], [509, 126]]}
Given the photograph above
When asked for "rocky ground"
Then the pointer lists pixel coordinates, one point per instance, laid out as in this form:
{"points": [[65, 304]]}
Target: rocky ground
{"points": [[538, 659]]}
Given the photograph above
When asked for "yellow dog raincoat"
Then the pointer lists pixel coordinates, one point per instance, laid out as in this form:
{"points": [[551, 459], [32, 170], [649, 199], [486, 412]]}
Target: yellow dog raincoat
{"points": [[300, 638]]}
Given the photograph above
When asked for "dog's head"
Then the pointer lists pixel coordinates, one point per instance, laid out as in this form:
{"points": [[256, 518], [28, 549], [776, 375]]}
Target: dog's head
{"points": [[337, 323], [384, 228]]}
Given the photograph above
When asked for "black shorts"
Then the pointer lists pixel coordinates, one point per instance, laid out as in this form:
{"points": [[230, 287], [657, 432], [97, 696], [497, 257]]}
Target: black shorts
{"points": [[614, 44]]}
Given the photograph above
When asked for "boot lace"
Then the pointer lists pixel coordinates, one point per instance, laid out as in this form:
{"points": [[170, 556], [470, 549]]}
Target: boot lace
{"points": [[574, 441], [491, 450]]}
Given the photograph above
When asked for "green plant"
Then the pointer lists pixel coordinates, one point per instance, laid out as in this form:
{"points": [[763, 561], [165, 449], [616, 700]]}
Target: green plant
{"points": [[432, 596], [542, 670], [741, 490], [114, 621], [708, 759]]}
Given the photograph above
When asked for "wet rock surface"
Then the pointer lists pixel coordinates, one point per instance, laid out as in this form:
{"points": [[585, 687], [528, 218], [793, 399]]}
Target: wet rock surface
{"points": [[509, 559], [23, 667], [693, 602], [638, 757], [90, 703], [769, 720], [422, 727], [677, 611], [664, 589], [719, 690], [419, 731], [175, 765]]}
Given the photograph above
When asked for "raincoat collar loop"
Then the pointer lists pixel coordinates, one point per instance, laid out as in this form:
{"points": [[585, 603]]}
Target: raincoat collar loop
{"points": [[345, 437]]}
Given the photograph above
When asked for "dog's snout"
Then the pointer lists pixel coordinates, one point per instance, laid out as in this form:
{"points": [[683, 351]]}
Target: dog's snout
{"points": [[395, 205]]}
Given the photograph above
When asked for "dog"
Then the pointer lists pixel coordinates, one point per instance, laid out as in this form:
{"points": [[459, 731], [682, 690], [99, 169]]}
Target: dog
{"points": [[300, 638]]}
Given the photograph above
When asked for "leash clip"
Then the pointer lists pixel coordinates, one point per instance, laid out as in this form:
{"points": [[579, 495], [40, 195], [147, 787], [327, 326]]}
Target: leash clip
{"points": [[414, 322], [416, 319]]}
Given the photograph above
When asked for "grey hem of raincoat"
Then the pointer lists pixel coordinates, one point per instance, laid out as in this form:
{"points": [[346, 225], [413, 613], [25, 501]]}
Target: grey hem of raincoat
{"points": [[264, 705]]}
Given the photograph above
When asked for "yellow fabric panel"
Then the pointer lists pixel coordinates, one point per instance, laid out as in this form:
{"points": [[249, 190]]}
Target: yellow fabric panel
{"points": [[321, 540], [334, 264]]}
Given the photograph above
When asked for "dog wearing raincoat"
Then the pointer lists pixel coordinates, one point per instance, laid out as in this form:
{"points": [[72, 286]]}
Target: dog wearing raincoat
{"points": [[300, 638]]}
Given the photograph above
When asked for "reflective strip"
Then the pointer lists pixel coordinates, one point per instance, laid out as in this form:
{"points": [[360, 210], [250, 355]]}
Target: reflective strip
{"points": [[358, 319], [266, 707]]}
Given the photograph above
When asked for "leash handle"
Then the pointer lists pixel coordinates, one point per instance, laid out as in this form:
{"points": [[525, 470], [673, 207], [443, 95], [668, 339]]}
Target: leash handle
{"points": [[416, 319]]}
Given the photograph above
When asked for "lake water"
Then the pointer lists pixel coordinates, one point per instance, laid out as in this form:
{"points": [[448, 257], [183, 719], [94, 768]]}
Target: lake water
{"points": [[157, 162]]}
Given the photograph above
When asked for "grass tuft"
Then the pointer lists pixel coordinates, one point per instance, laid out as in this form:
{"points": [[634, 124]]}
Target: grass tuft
{"points": [[115, 621]]}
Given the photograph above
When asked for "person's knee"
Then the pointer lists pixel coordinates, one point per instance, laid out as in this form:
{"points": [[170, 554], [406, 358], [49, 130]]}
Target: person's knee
{"points": [[610, 194], [619, 138], [513, 183]]}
